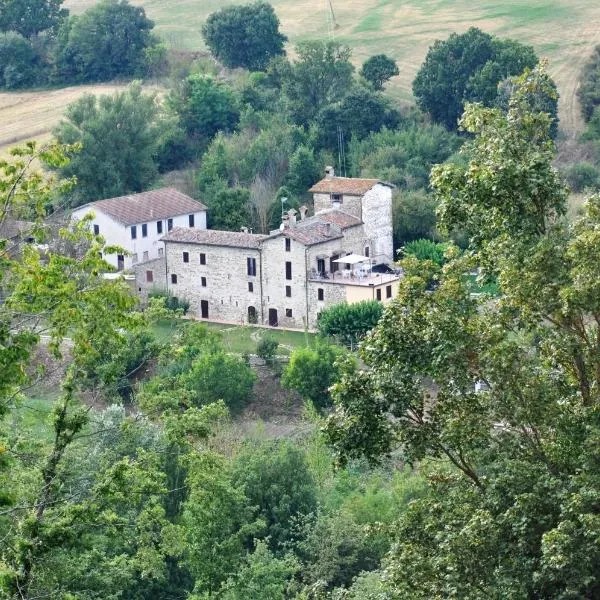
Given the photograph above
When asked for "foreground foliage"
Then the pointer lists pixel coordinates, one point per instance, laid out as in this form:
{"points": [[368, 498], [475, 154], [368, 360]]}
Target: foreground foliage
{"points": [[512, 511]]}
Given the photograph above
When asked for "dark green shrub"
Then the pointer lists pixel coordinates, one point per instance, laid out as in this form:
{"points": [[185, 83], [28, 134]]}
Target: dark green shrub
{"points": [[350, 322]]}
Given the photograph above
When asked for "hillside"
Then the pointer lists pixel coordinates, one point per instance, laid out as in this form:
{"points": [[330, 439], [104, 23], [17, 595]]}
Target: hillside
{"points": [[563, 30]]}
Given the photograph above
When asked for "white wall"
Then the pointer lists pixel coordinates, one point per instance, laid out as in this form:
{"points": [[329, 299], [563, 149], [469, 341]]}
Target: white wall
{"points": [[119, 235]]}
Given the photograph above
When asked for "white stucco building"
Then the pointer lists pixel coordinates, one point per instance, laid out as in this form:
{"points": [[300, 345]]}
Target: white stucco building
{"points": [[286, 278], [138, 222]]}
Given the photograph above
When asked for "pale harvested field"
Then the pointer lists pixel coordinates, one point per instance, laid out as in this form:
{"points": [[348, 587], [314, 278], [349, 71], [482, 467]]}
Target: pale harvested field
{"points": [[565, 31], [32, 115]]}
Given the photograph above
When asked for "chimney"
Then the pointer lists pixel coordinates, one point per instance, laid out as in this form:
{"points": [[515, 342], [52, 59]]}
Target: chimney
{"points": [[285, 221], [303, 210], [329, 172], [335, 204], [244, 229], [291, 216], [327, 229]]}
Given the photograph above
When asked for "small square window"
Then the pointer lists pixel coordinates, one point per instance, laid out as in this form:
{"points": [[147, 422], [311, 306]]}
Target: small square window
{"points": [[337, 198], [161, 251], [320, 294], [378, 292], [388, 291], [96, 229], [145, 230], [149, 276], [133, 232], [145, 255], [288, 312], [288, 291], [191, 220], [186, 257], [134, 258], [203, 281], [158, 226], [288, 244], [202, 258], [173, 278], [169, 224], [250, 286]]}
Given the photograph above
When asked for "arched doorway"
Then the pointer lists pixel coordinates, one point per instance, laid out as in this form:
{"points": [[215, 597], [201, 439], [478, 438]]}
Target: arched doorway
{"points": [[252, 317]]}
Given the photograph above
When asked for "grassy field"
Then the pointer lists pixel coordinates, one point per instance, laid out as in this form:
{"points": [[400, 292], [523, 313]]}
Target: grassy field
{"points": [[243, 340], [563, 30]]}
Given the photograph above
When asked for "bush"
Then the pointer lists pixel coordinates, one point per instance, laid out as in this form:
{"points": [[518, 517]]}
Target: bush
{"points": [[589, 88], [266, 348], [426, 250], [350, 322], [312, 371], [414, 216], [581, 176]]}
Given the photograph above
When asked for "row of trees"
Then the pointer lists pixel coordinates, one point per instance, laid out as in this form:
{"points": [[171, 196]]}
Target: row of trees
{"points": [[40, 44]]}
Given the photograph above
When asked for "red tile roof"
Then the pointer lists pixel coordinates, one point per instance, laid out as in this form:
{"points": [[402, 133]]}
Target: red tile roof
{"points": [[345, 185], [147, 206], [214, 237]]}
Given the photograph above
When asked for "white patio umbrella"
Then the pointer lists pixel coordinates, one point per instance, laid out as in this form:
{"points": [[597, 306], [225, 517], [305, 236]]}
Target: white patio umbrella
{"points": [[352, 259]]}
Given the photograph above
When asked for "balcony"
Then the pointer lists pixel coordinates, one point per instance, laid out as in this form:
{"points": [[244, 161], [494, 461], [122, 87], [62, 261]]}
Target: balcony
{"points": [[360, 277]]}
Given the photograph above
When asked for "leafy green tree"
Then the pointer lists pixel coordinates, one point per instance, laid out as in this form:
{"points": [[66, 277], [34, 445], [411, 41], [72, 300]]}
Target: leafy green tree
{"points": [[303, 171], [244, 35], [20, 65], [414, 216], [263, 575], [360, 113], [205, 107], [111, 39], [509, 511], [278, 485], [350, 322], [404, 156], [581, 176], [588, 91], [228, 208], [312, 371], [266, 348], [31, 17], [378, 70], [466, 67], [119, 135], [321, 75]]}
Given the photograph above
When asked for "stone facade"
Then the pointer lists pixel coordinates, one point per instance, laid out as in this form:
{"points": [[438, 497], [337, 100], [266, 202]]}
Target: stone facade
{"points": [[292, 276], [150, 276]]}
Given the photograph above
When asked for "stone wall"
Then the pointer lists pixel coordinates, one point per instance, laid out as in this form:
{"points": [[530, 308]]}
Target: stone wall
{"points": [[150, 276], [333, 293], [377, 219], [350, 204], [227, 279]]}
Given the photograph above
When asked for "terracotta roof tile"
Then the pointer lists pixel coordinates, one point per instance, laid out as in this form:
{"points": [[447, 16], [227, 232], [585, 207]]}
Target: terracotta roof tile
{"points": [[313, 233], [147, 206], [214, 237], [345, 185], [338, 217]]}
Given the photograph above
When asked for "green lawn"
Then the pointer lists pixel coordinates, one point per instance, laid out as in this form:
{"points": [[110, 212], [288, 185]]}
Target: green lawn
{"points": [[241, 340]]}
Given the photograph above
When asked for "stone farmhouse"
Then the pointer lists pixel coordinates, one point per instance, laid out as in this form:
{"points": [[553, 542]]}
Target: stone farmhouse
{"points": [[138, 222], [286, 278]]}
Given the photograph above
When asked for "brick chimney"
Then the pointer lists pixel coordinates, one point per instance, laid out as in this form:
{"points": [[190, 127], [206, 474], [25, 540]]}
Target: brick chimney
{"points": [[303, 210], [329, 172]]}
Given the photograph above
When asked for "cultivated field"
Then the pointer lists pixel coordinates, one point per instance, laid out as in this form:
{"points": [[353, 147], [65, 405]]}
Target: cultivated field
{"points": [[563, 30], [32, 115]]}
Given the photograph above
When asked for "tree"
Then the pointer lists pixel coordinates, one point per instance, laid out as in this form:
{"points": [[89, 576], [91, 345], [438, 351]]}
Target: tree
{"points": [[228, 208], [350, 322], [278, 485], [466, 67], [111, 39], [244, 36], [20, 64], [31, 17], [378, 70], [205, 107], [424, 249], [589, 88], [312, 371], [414, 216], [509, 511], [118, 135], [322, 75], [303, 171]]}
